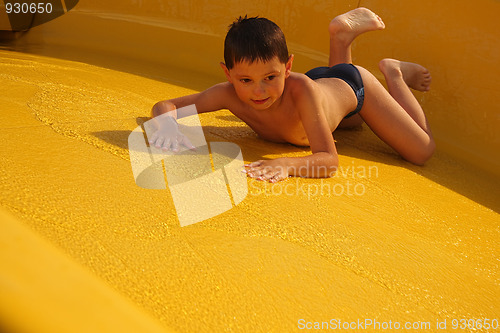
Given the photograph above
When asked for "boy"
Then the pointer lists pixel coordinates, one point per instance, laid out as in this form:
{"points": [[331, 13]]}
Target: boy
{"points": [[304, 109]]}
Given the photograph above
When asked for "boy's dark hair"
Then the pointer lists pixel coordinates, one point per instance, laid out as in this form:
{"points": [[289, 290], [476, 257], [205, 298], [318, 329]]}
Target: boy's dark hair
{"points": [[254, 38]]}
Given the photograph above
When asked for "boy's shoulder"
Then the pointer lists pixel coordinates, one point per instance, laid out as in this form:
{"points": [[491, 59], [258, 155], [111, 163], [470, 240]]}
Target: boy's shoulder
{"points": [[222, 90], [299, 85], [299, 80], [219, 96]]}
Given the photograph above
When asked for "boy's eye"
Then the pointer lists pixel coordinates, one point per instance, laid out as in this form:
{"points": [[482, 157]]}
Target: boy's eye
{"points": [[245, 80], [271, 77]]}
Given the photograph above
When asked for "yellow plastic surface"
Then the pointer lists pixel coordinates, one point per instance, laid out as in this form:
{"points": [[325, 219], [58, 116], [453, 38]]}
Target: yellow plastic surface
{"points": [[83, 243], [45, 291]]}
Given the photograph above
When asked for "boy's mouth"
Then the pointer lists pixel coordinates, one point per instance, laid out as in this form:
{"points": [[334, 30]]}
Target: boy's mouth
{"points": [[260, 101]]}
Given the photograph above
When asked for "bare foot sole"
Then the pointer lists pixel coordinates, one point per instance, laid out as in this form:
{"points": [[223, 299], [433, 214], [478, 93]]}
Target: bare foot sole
{"points": [[346, 27], [415, 76]]}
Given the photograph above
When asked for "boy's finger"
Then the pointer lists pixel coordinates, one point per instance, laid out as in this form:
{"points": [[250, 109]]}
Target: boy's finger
{"points": [[159, 142], [256, 173], [187, 143], [275, 179], [270, 174], [166, 144], [153, 138], [175, 146], [254, 164]]}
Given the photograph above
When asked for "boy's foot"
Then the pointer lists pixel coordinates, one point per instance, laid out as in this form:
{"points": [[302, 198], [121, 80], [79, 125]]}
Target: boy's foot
{"points": [[415, 76], [346, 27]]}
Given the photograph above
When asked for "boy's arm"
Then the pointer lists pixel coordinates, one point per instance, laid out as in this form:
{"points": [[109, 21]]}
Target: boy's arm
{"points": [[212, 99], [324, 159], [165, 114]]}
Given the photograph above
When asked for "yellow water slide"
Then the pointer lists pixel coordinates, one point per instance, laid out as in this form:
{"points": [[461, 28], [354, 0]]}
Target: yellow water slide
{"points": [[382, 246]]}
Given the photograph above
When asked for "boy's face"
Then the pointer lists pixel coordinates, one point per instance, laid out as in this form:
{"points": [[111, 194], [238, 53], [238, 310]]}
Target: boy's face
{"points": [[259, 84]]}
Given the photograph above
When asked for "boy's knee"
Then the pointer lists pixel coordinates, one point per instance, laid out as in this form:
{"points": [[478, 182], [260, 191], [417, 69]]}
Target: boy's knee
{"points": [[424, 154]]}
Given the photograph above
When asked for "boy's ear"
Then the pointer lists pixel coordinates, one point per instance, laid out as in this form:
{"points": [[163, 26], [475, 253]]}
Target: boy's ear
{"points": [[226, 71], [288, 66]]}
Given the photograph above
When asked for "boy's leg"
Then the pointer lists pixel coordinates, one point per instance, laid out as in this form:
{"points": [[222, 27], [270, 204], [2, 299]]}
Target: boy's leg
{"points": [[345, 28], [396, 116]]}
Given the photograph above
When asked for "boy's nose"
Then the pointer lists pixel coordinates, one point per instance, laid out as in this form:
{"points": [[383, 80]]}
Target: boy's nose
{"points": [[259, 90]]}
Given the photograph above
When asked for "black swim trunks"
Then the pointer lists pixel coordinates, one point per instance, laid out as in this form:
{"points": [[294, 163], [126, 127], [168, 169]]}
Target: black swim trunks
{"points": [[346, 72]]}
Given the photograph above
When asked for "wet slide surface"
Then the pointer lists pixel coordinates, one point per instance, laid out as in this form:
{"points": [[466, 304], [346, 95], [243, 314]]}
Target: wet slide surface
{"points": [[382, 240]]}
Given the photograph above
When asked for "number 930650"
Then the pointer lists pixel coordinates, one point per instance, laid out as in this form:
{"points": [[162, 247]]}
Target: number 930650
{"points": [[25, 8]]}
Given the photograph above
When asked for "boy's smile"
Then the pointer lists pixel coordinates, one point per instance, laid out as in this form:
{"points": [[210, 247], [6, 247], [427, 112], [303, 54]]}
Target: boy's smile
{"points": [[259, 84]]}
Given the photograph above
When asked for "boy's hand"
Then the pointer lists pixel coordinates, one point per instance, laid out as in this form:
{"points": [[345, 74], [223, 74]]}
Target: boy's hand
{"points": [[167, 136], [270, 170]]}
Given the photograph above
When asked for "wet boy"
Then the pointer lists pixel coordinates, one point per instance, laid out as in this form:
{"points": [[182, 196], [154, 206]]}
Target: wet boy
{"points": [[304, 109]]}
